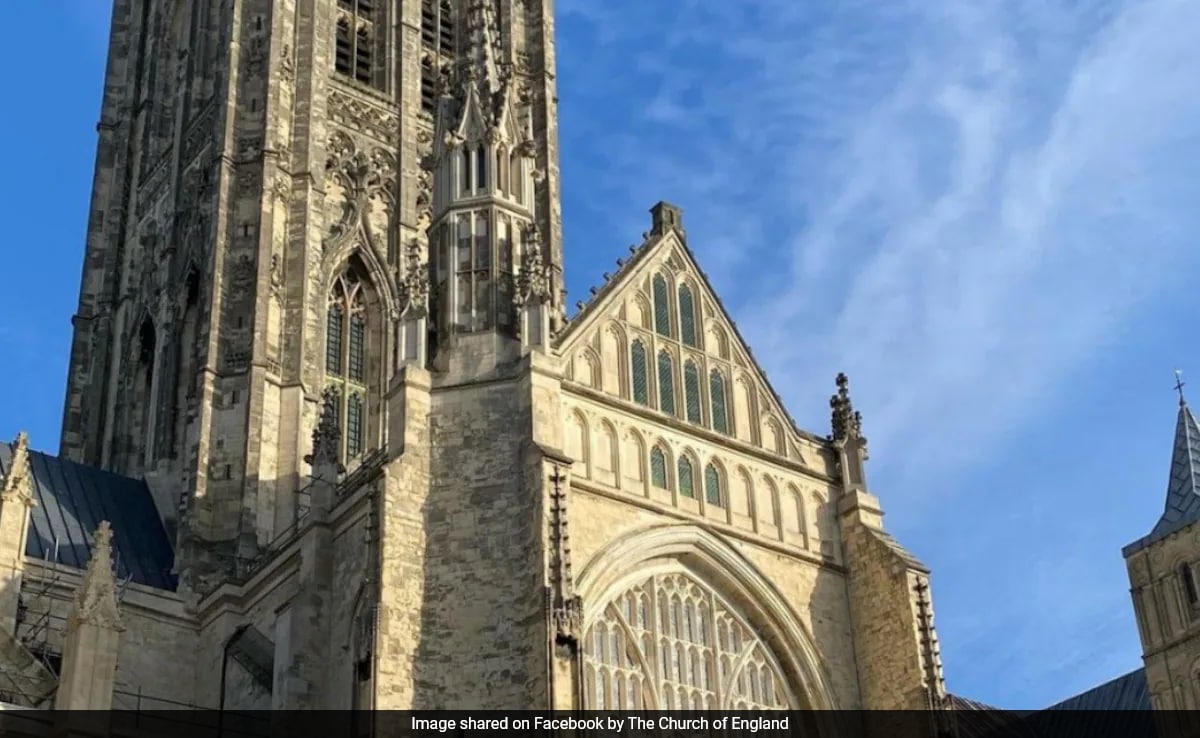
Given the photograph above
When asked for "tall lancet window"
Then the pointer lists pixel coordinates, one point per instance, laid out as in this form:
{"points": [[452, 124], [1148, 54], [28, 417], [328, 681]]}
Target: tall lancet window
{"points": [[687, 316], [662, 308], [641, 386], [350, 344], [666, 383], [357, 41]]}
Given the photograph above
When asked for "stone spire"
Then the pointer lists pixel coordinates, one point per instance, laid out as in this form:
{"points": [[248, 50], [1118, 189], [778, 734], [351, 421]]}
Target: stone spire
{"points": [[482, 64], [96, 598], [1183, 485]]}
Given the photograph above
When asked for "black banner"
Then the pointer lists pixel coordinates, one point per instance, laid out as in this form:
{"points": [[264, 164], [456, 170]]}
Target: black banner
{"points": [[26, 723]]}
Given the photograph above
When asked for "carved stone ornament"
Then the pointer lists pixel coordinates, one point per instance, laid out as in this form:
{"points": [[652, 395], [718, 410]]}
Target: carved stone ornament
{"points": [[534, 281], [363, 116], [326, 437], [415, 285], [362, 176], [847, 422], [17, 484], [96, 598], [276, 274]]}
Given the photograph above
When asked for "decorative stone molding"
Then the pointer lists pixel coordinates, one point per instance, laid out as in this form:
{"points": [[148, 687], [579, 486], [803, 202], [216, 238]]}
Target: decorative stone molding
{"points": [[96, 598], [363, 117]]}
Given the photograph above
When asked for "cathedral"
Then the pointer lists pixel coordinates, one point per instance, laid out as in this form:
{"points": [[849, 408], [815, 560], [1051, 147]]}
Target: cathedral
{"points": [[332, 440]]}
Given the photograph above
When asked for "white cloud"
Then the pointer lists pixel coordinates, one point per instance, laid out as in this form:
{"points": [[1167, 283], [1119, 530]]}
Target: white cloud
{"points": [[961, 203]]}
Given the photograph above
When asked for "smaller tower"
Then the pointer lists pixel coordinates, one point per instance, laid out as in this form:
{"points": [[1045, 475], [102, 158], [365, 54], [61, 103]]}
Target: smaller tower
{"points": [[1164, 578], [483, 221]]}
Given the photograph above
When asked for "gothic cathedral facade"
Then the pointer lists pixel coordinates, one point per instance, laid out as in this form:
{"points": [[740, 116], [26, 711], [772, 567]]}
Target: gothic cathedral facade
{"points": [[321, 345]]}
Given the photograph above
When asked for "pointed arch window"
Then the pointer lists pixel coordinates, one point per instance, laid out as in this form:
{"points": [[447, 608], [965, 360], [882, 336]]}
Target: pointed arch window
{"points": [[348, 348], [720, 411], [641, 387], [691, 392], [666, 383], [662, 308], [687, 479], [712, 486], [670, 642], [658, 467], [687, 316]]}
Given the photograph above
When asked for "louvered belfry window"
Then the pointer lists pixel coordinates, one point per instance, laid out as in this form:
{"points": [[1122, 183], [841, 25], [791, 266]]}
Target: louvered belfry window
{"points": [[356, 41]]}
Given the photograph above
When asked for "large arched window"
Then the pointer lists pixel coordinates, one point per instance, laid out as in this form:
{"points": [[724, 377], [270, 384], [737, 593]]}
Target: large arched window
{"points": [[687, 316], [349, 343], [666, 383], [669, 642], [638, 368], [720, 411], [662, 307], [691, 392]]}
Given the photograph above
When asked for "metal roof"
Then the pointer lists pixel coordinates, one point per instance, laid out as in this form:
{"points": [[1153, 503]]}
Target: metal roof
{"points": [[1127, 692], [72, 499], [1183, 486]]}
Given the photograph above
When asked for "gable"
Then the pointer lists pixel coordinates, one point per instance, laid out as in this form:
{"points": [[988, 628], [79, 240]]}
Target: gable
{"points": [[658, 335]]}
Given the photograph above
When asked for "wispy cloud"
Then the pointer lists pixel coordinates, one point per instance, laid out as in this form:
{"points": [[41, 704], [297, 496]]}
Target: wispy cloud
{"points": [[961, 202]]}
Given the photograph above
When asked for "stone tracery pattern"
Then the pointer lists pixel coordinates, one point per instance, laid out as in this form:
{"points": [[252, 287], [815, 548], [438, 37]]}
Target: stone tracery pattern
{"points": [[672, 643]]}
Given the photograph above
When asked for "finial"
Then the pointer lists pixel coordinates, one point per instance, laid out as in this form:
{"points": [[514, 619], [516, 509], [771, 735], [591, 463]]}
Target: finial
{"points": [[326, 437], [847, 422], [1179, 385]]}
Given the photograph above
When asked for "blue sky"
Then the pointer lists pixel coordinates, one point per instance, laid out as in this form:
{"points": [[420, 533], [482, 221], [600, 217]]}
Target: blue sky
{"points": [[985, 212]]}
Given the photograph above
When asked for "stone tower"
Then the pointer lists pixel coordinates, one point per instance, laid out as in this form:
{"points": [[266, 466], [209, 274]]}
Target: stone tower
{"points": [[268, 179], [1164, 577]]}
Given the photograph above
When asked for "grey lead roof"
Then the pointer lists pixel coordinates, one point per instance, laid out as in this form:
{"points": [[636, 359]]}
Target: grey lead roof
{"points": [[1183, 487], [1127, 692], [72, 499]]}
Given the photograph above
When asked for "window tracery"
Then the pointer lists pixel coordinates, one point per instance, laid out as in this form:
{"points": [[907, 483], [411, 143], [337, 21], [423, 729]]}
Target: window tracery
{"points": [[672, 643], [347, 344]]}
